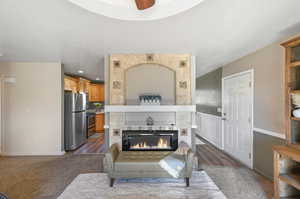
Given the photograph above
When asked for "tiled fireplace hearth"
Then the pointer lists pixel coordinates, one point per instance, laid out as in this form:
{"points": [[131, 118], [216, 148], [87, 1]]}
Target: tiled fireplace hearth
{"points": [[149, 140]]}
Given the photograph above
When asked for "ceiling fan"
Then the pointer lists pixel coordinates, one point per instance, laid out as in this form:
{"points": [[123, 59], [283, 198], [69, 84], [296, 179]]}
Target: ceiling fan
{"points": [[144, 4]]}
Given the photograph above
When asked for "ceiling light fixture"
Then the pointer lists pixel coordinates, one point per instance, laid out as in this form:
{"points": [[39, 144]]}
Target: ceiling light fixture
{"points": [[136, 10], [144, 4], [98, 78], [80, 71]]}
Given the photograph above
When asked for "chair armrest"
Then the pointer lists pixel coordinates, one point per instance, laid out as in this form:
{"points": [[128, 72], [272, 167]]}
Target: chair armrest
{"points": [[189, 159], [110, 158]]}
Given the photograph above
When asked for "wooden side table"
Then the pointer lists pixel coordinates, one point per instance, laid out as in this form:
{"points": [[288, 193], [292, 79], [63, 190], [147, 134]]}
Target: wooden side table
{"points": [[286, 172]]}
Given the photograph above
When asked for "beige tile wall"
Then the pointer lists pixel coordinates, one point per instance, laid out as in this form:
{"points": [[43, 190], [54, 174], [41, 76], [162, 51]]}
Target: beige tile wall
{"points": [[120, 63]]}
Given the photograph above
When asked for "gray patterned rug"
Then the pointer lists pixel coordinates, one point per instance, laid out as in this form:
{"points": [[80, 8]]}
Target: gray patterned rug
{"points": [[95, 186]]}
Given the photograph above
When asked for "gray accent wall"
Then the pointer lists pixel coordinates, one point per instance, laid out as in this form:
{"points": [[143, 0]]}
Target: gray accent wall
{"points": [[209, 92], [263, 154]]}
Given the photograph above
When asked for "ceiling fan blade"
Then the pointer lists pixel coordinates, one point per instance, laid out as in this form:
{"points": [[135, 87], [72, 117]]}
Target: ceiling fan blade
{"points": [[144, 4]]}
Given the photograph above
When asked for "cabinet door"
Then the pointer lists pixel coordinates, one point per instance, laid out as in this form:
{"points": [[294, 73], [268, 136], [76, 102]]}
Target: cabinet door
{"points": [[91, 92], [101, 93], [100, 122], [83, 85], [96, 92], [67, 84], [70, 84], [87, 85], [74, 86]]}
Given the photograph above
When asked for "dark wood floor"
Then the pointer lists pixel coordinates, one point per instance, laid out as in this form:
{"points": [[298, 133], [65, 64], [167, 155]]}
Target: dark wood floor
{"points": [[95, 144], [211, 156], [208, 155]]}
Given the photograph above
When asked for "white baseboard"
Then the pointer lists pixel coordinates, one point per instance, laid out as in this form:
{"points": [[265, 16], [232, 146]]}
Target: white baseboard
{"points": [[33, 154], [270, 133], [209, 115]]}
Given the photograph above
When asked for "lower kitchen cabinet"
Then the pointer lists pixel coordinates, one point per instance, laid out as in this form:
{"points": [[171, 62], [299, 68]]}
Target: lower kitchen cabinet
{"points": [[100, 120]]}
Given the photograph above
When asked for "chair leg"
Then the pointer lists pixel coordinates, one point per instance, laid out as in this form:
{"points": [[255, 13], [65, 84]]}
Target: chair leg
{"points": [[111, 183], [187, 182]]}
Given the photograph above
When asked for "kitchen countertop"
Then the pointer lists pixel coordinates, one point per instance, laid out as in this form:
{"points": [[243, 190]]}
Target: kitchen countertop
{"points": [[95, 111]]}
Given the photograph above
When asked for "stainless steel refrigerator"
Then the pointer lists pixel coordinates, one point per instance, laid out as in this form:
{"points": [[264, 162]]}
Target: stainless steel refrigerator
{"points": [[75, 120]]}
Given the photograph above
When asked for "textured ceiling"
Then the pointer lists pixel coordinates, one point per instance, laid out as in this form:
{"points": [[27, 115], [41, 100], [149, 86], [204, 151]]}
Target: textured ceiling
{"points": [[215, 31]]}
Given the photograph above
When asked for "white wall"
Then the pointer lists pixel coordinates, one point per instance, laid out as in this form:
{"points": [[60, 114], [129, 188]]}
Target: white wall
{"points": [[32, 109]]}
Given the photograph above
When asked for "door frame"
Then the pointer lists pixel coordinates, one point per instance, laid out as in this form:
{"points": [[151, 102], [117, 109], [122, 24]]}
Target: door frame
{"points": [[1, 114], [251, 72]]}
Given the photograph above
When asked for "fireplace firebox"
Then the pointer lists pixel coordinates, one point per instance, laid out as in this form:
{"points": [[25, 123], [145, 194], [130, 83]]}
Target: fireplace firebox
{"points": [[149, 140]]}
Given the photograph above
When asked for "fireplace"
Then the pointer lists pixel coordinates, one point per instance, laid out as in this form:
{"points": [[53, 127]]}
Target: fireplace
{"points": [[150, 140]]}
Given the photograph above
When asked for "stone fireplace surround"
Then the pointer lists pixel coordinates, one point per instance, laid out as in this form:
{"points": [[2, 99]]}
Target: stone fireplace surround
{"points": [[119, 64], [122, 118]]}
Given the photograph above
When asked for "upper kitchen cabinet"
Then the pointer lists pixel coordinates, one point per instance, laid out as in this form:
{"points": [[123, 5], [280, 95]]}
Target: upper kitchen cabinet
{"points": [[76, 84], [71, 84], [83, 85], [96, 92]]}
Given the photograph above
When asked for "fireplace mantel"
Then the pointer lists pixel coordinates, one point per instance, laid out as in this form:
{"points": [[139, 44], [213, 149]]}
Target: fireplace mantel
{"points": [[149, 108]]}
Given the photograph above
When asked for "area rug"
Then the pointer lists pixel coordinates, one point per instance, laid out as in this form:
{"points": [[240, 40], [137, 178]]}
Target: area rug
{"points": [[96, 186]]}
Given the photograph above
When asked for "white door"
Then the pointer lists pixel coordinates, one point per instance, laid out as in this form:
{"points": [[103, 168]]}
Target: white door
{"points": [[237, 116]]}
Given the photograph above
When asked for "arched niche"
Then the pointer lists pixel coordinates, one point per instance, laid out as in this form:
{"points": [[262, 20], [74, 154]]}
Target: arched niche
{"points": [[120, 63], [150, 79]]}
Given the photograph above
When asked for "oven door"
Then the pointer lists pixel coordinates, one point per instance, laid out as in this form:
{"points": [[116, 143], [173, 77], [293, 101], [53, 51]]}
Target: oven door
{"points": [[91, 125], [91, 131], [91, 120]]}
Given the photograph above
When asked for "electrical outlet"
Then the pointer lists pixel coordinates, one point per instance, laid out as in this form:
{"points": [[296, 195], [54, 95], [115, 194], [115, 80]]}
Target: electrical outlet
{"points": [[116, 132]]}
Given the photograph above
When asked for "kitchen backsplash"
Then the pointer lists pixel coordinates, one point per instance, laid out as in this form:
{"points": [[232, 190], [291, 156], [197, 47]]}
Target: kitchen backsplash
{"points": [[92, 105]]}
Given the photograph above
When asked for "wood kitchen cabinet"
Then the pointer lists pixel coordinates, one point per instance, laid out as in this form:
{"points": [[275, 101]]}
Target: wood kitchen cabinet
{"points": [[71, 84], [100, 120], [83, 85], [96, 92], [76, 84]]}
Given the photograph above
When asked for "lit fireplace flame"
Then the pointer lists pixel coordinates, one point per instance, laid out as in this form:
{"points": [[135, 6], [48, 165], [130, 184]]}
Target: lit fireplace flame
{"points": [[162, 144]]}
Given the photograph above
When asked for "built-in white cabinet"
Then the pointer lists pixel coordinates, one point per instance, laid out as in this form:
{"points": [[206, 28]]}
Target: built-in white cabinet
{"points": [[210, 128]]}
